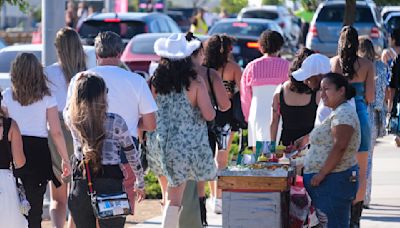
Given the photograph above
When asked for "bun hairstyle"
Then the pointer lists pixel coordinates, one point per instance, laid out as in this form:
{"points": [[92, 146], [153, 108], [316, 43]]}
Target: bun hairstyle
{"points": [[347, 51], [217, 50], [340, 81], [189, 37]]}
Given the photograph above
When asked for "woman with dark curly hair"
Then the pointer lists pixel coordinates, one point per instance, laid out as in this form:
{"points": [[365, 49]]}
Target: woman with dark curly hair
{"points": [[217, 51], [296, 104], [258, 83], [178, 149], [360, 72]]}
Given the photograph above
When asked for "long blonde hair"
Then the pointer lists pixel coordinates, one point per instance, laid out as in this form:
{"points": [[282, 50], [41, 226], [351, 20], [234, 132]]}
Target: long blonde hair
{"points": [[71, 56], [29, 84], [87, 111]]}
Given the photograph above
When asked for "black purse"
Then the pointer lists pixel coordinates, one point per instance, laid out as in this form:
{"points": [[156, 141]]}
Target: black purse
{"points": [[106, 206]]}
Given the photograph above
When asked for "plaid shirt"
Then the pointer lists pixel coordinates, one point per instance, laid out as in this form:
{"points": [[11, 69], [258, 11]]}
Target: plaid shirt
{"points": [[117, 140]]}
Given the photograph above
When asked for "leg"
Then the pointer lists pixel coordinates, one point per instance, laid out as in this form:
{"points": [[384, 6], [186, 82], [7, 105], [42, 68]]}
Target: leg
{"points": [[58, 205], [362, 158], [163, 184], [190, 215], [173, 207], [80, 206], [34, 195]]}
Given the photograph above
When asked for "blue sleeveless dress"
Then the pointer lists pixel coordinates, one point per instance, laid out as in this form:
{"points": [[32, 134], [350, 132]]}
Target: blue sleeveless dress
{"points": [[362, 112]]}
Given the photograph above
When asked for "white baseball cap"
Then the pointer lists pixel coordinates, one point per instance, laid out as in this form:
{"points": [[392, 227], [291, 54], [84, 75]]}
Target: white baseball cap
{"points": [[313, 65]]}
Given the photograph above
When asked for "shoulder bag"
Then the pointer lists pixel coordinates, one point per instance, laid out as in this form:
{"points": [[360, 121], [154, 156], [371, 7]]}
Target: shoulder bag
{"points": [[106, 206]]}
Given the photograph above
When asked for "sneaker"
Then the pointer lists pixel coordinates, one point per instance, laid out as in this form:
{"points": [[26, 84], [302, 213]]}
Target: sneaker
{"points": [[217, 206]]}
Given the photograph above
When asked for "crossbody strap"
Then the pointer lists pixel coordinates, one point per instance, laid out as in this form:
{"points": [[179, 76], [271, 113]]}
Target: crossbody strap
{"points": [[89, 178], [7, 126]]}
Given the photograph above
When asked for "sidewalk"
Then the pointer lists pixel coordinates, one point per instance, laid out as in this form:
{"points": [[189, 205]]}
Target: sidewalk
{"points": [[385, 205]]}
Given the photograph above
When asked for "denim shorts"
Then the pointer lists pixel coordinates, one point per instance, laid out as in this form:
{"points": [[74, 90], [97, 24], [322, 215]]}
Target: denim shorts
{"points": [[333, 197]]}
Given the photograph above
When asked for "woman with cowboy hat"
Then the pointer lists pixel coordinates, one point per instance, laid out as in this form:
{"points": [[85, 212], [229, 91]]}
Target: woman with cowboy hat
{"points": [[178, 148]]}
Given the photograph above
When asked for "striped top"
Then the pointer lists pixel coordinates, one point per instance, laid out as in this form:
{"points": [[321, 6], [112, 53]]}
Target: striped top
{"points": [[262, 71]]}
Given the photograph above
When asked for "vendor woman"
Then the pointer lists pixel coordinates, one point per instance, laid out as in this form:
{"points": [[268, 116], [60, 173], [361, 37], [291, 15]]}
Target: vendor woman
{"points": [[330, 166]]}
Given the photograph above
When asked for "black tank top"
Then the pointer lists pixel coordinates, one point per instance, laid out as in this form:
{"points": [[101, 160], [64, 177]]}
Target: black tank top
{"points": [[5, 145], [296, 120]]}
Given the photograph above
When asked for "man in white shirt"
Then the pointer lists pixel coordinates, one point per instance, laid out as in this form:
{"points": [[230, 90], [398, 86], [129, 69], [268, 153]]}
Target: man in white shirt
{"points": [[128, 93]]}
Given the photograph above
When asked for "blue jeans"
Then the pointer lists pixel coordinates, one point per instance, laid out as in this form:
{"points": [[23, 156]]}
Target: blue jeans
{"points": [[333, 197]]}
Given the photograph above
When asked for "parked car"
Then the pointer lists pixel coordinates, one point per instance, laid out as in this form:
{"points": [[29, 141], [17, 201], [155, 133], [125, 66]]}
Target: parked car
{"points": [[127, 25], [279, 14], [180, 19], [9, 53], [392, 21], [327, 23], [139, 52], [386, 10], [247, 32]]}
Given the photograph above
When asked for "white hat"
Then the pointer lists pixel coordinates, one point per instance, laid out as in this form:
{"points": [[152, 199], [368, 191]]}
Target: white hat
{"points": [[313, 65], [175, 47]]}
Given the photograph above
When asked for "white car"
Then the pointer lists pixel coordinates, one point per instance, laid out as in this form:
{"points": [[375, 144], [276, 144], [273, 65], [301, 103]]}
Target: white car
{"points": [[8, 54]]}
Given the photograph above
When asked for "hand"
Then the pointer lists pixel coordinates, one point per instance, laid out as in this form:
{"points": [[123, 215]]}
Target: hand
{"points": [[66, 168], [317, 179], [140, 195]]}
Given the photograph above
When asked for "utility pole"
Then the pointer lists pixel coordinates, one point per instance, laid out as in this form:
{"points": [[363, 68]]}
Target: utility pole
{"points": [[53, 19]]}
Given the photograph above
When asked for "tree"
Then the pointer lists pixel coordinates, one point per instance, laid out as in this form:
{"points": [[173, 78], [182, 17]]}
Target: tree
{"points": [[272, 2], [233, 6], [22, 4], [349, 12]]}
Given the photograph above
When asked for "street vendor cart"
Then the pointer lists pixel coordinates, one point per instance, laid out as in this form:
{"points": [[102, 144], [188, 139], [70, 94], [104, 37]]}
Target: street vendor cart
{"points": [[256, 196]]}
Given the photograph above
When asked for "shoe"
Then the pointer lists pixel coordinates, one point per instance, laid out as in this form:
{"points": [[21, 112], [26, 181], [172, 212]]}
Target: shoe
{"points": [[356, 211], [203, 211], [217, 203]]}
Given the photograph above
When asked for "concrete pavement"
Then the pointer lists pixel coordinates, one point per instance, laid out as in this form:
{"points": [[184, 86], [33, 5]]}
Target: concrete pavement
{"points": [[385, 204]]}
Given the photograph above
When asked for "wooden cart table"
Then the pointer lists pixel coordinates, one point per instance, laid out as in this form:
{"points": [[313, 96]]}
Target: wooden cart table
{"points": [[255, 198]]}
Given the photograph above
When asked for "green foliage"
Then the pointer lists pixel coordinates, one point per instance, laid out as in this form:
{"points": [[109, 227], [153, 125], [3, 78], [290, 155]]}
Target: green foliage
{"points": [[387, 2], [272, 2], [233, 6], [152, 188], [22, 4]]}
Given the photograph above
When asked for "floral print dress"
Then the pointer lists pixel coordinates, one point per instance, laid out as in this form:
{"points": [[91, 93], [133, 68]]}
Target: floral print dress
{"points": [[179, 148]]}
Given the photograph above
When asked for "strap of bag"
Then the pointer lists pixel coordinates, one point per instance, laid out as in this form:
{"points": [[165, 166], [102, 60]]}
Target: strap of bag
{"points": [[89, 178], [212, 88]]}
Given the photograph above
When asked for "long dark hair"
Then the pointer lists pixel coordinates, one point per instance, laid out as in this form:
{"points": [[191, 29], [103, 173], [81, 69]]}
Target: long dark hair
{"points": [[298, 86], [217, 51], [340, 81], [173, 75], [347, 51]]}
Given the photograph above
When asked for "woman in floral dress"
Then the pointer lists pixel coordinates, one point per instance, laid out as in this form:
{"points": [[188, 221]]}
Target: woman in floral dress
{"points": [[179, 148]]}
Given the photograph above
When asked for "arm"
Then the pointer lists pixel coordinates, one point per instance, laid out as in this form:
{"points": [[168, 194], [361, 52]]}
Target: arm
{"points": [[237, 73], [147, 122], [219, 90], [273, 127], [341, 138], [370, 84], [204, 102], [58, 138], [14, 135], [246, 91]]}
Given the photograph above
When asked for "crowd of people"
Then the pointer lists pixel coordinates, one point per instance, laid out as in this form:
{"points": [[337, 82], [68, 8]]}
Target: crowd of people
{"points": [[96, 118]]}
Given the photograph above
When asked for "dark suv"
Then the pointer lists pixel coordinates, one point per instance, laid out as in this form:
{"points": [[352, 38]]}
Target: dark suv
{"points": [[127, 25], [323, 35]]}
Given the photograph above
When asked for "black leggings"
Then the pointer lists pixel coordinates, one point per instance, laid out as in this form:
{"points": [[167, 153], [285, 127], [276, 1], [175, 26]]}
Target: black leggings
{"points": [[80, 205], [34, 194]]}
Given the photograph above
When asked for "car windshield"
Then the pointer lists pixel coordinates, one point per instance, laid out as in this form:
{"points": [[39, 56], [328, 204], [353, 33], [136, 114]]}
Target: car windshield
{"points": [[393, 23], [240, 28], [126, 30], [263, 14], [143, 45], [336, 14], [7, 57]]}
